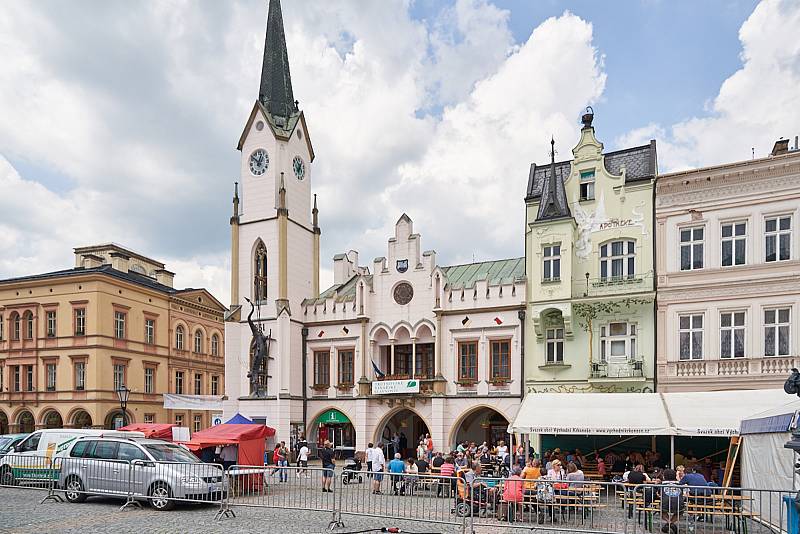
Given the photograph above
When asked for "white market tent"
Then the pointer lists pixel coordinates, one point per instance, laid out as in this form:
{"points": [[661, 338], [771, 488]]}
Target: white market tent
{"points": [[765, 462], [715, 413]]}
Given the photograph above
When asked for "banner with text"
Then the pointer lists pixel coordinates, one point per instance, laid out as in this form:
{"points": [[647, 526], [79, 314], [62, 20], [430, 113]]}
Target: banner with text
{"points": [[390, 387]]}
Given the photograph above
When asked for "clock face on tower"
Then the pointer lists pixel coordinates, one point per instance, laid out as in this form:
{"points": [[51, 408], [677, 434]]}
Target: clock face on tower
{"points": [[259, 162], [299, 167]]}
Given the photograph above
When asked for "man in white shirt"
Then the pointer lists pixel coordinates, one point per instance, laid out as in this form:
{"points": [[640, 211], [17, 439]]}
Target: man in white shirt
{"points": [[302, 460], [378, 464], [369, 453]]}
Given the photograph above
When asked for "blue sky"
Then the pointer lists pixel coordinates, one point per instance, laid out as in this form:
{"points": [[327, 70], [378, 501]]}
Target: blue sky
{"points": [[121, 119]]}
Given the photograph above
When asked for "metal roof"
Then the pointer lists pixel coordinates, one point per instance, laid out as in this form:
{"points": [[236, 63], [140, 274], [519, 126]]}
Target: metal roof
{"points": [[494, 272], [139, 279]]}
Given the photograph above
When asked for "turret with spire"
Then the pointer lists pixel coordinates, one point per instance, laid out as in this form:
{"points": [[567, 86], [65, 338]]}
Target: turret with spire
{"points": [[275, 92], [554, 198]]}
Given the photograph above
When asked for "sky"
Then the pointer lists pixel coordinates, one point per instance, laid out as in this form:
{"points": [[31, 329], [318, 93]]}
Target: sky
{"points": [[120, 119]]}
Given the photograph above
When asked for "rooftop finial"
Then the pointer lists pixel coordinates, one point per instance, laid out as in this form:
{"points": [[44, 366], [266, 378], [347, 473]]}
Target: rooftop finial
{"points": [[552, 150], [588, 117], [315, 213]]}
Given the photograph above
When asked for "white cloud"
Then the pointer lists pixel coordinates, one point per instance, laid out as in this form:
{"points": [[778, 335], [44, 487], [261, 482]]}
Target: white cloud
{"points": [[138, 107], [755, 106]]}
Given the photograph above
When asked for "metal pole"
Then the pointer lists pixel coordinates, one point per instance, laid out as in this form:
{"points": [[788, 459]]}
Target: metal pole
{"points": [[672, 451]]}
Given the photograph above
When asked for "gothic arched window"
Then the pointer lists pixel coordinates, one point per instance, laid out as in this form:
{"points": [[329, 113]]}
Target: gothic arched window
{"points": [[260, 273]]}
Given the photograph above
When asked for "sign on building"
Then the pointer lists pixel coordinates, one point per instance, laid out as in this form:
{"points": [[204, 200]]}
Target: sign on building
{"points": [[390, 387]]}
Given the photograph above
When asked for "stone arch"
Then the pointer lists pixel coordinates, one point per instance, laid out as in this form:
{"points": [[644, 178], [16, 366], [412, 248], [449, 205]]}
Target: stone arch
{"points": [[114, 415], [51, 418], [456, 427], [402, 325], [79, 418], [337, 433], [424, 323], [3, 422], [386, 419], [25, 421], [380, 326]]}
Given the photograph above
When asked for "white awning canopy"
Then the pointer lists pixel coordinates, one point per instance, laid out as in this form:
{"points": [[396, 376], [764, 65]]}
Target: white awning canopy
{"points": [[619, 414], [192, 402], [716, 413]]}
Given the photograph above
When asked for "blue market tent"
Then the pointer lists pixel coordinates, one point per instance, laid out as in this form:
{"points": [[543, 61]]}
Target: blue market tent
{"points": [[239, 419]]}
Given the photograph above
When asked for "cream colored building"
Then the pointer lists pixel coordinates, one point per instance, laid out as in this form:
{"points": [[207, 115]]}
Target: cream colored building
{"points": [[729, 274], [70, 338]]}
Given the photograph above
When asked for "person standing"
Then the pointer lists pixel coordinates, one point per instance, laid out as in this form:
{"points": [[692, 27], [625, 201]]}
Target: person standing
{"points": [[228, 455], [369, 454], [397, 468], [302, 460], [282, 461], [328, 466], [429, 447], [378, 465]]}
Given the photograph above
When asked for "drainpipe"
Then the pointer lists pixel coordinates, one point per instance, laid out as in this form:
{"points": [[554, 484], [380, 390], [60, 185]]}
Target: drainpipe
{"points": [[304, 333], [521, 315], [655, 287]]}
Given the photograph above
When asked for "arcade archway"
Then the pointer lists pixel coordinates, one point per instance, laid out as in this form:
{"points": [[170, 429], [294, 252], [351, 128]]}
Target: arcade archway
{"points": [[481, 425], [25, 422], [3, 423], [114, 420], [401, 432], [334, 426], [52, 419], [81, 419]]}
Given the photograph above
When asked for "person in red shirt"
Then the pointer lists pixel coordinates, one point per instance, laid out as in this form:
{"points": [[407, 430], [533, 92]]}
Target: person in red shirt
{"points": [[513, 492], [429, 447], [447, 471]]}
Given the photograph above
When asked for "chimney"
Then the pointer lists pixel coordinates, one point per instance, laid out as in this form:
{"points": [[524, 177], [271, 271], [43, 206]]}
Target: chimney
{"points": [[345, 266], [90, 261], [165, 277], [119, 261], [781, 147]]}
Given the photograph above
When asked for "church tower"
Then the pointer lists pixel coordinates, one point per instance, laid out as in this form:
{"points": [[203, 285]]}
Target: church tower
{"points": [[274, 241]]}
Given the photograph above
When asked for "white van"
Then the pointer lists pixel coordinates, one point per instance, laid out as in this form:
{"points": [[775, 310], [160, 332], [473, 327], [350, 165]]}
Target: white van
{"points": [[31, 458]]}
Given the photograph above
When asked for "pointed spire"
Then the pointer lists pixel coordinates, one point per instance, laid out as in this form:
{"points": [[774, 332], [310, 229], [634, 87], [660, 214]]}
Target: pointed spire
{"points": [[275, 92], [554, 198], [315, 214]]}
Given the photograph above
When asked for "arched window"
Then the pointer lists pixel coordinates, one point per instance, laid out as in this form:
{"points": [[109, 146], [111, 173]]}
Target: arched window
{"points": [[28, 325], [260, 272], [215, 345], [179, 338], [16, 326], [198, 341], [618, 260]]}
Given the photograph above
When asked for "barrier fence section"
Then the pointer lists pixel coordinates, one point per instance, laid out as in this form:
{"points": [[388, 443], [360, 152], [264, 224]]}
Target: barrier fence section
{"points": [[469, 503], [413, 497], [29, 472]]}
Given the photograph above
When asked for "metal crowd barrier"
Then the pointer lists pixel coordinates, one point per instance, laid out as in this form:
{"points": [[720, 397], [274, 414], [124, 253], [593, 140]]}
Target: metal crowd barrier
{"points": [[29, 472], [483, 503]]}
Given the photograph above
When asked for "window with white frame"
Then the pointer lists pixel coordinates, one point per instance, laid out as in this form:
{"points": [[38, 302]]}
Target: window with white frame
{"points": [[215, 385], [198, 341], [732, 334], [777, 327], [778, 238], [150, 331], [618, 260], [691, 336], [150, 418], [618, 341], [80, 376], [149, 379], [179, 337], [198, 423], [119, 376], [555, 345], [215, 345], [587, 185], [692, 240], [734, 243], [119, 325], [179, 382], [51, 377], [51, 323], [551, 268]]}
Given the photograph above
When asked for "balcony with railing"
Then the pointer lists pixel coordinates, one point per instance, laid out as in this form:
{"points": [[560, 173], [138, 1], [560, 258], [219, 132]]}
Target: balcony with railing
{"points": [[633, 368], [768, 370], [612, 285]]}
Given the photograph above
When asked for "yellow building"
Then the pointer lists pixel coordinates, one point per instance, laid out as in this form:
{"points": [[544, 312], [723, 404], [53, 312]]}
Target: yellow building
{"points": [[69, 339]]}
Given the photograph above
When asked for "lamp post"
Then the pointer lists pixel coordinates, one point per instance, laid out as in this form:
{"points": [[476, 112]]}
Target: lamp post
{"points": [[122, 394]]}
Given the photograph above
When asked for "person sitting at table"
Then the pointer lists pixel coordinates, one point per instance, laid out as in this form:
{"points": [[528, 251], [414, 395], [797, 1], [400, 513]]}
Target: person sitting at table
{"points": [[461, 460], [580, 459], [447, 471], [411, 478], [679, 472], [672, 502], [695, 480], [513, 495], [556, 472], [485, 459], [637, 477], [480, 491], [438, 460], [531, 474], [575, 475]]}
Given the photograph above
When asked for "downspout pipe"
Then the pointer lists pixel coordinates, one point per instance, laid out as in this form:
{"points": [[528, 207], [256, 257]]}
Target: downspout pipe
{"points": [[304, 333]]}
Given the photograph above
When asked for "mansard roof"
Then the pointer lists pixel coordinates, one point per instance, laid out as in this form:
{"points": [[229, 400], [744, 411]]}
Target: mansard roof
{"points": [[494, 272], [132, 277], [640, 164]]}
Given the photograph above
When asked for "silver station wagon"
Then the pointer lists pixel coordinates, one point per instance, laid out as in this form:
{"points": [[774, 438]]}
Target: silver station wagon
{"points": [[145, 469]]}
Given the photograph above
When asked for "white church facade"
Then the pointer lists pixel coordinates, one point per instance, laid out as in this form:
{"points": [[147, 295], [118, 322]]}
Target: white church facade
{"points": [[401, 347]]}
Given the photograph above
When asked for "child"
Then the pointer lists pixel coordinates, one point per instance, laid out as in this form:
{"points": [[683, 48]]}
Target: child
{"points": [[601, 468]]}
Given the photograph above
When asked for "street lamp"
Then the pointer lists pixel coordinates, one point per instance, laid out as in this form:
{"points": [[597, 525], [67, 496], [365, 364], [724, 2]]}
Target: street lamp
{"points": [[122, 394]]}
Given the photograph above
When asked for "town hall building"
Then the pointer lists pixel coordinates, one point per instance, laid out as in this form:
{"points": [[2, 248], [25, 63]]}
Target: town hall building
{"points": [[399, 347]]}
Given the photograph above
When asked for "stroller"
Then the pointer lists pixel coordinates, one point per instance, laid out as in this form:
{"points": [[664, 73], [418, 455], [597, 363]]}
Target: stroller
{"points": [[466, 504], [351, 471]]}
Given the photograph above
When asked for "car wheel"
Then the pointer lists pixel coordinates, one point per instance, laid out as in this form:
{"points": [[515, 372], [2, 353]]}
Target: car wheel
{"points": [[161, 497], [73, 490], [7, 477]]}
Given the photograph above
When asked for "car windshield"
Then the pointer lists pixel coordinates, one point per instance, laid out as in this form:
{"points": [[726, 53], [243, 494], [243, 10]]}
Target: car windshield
{"points": [[171, 453], [5, 443]]}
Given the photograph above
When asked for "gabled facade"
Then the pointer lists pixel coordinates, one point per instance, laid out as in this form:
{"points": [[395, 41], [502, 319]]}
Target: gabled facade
{"points": [[589, 263]]}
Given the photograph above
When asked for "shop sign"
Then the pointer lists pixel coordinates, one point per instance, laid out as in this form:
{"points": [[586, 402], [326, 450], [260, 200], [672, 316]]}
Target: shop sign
{"points": [[391, 387]]}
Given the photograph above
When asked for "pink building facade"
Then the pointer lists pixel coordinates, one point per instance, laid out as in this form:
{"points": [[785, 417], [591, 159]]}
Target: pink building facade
{"points": [[728, 264]]}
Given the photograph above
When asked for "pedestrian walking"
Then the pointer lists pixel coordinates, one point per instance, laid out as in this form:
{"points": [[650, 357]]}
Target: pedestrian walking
{"points": [[282, 461], [369, 453], [328, 466], [302, 460]]}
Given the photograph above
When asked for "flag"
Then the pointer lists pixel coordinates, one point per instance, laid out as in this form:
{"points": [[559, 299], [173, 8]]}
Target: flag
{"points": [[378, 372], [321, 333], [497, 320], [465, 321]]}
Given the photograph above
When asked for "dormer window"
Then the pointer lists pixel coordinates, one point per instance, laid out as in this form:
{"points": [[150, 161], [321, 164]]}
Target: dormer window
{"points": [[587, 185]]}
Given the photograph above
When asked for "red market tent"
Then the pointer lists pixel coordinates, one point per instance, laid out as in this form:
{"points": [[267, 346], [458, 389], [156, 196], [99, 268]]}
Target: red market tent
{"points": [[249, 439], [151, 430]]}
